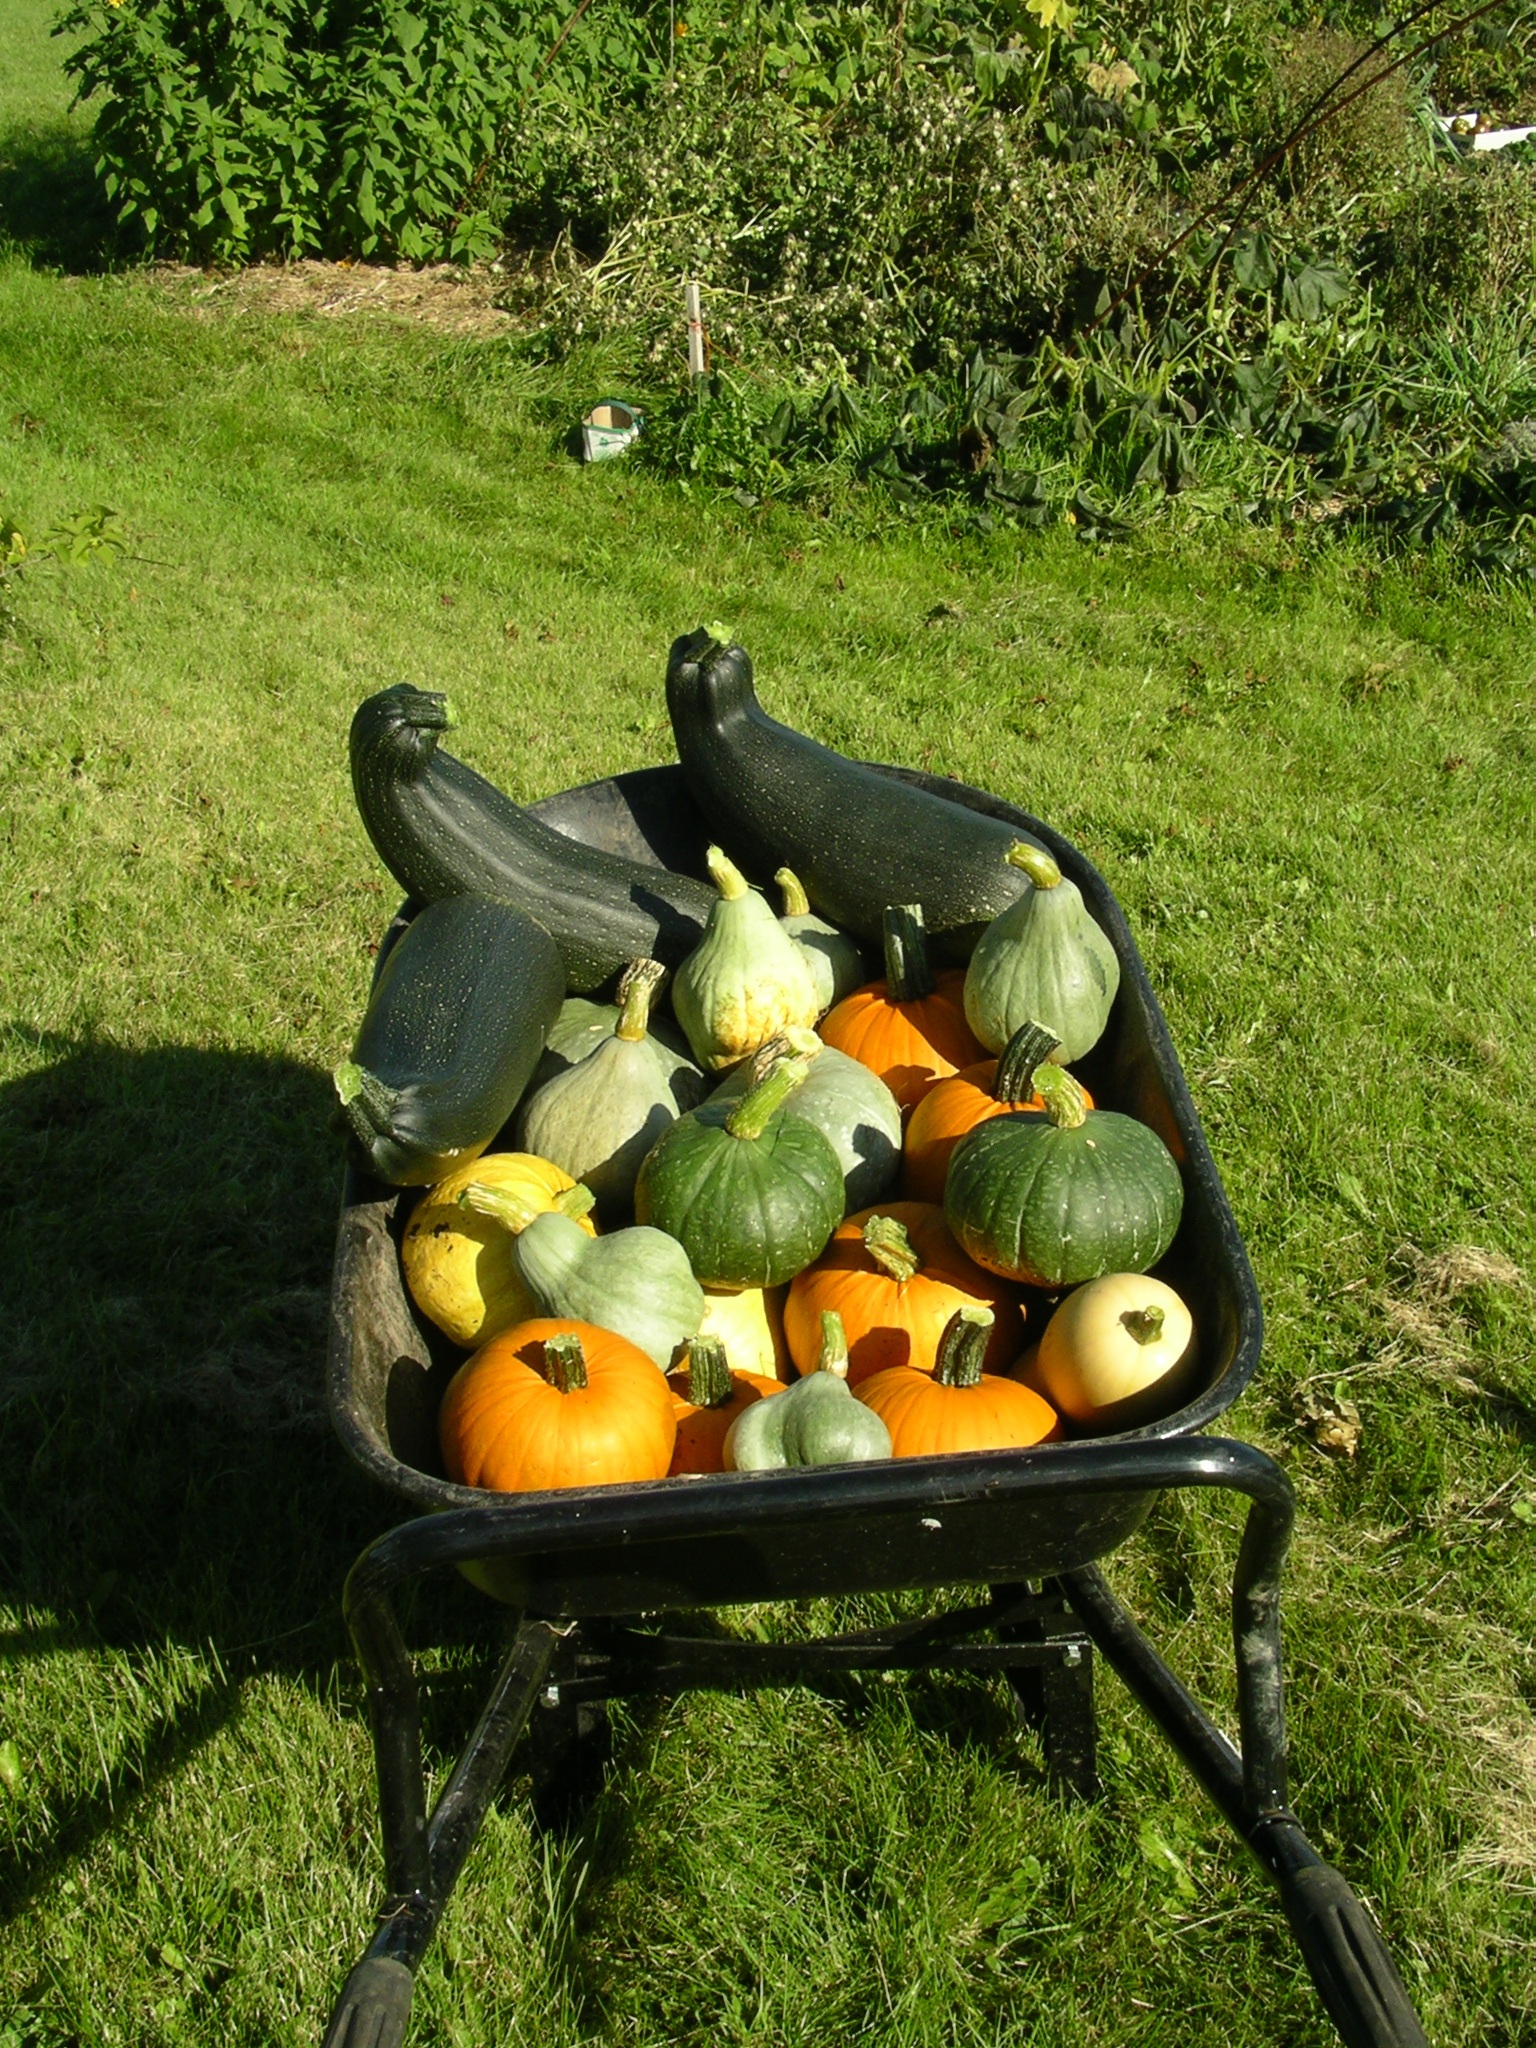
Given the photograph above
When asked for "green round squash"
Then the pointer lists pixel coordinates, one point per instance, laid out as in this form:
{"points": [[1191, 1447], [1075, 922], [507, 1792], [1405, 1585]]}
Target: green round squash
{"points": [[1043, 959], [598, 1119], [852, 1108], [1056, 1198], [822, 1423], [751, 1191], [636, 1282]]}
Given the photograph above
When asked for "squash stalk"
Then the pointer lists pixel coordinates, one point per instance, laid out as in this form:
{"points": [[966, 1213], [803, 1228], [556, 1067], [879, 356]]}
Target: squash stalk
{"points": [[963, 1346], [725, 875], [1030, 1047], [1065, 1103], [749, 1119], [887, 1242], [1144, 1324], [908, 975], [1035, 862], [515, 1212], [833, 1355], [368, 1103], [638, 989], [709, 1373], [796, 902], [565, 1363]]}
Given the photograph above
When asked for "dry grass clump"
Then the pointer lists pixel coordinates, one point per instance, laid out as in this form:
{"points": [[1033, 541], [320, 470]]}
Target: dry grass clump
{"points": [[448, 297]]}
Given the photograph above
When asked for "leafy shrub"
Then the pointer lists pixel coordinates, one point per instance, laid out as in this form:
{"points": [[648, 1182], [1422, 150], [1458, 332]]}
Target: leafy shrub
{"points": [[233, 129]]}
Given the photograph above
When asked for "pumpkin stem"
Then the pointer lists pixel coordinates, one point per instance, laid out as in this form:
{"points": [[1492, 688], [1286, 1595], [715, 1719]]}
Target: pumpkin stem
{"points": [[709, 1373], [1030, 1046], [908, 976], [514, 1211], [796, 902], [887, 1242], [749, 1119], [963, 1346], [565, 1363], [1035, 862], [368, 1103], [725, 875], [833, 1355], [1144, 1324], [1065, 1103], [638, 988]]}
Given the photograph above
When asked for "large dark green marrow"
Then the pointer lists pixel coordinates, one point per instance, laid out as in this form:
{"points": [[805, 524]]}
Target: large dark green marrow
{"points": [[443, 830], [857, 839], [454, 1027]]}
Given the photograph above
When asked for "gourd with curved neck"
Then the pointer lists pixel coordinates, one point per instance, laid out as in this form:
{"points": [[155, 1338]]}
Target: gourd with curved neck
{"points": [[1044, 958], [637, 1282]]}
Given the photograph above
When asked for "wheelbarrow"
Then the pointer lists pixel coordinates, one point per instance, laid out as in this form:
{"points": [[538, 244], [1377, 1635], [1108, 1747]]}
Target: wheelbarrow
{"points": [[1024, 1529]]}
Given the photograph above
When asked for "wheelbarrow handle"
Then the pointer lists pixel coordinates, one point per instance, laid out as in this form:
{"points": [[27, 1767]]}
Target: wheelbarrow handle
{"points": [[1355, 1976]]}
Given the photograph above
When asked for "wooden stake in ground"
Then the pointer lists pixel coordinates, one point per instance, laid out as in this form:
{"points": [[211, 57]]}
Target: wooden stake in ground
{"points": [[697, 370]]}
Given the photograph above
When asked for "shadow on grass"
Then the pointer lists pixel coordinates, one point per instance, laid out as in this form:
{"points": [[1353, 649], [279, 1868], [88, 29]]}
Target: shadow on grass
{"points": [[167, 1475], [52, 207]]}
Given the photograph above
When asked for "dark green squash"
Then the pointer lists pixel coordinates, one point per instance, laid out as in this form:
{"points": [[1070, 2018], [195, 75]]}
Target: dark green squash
{"points": [[857, 839], [751, 1191], [1062, 1195], [443, 830], [453, 1029]]}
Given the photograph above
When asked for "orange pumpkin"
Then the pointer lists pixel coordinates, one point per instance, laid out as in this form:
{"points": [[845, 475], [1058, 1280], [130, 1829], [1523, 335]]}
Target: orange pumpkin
{"points": [[554, 1402], [706, 1400], [895, 1275], [910, 1029], [960, 1102], [958, 1407]]}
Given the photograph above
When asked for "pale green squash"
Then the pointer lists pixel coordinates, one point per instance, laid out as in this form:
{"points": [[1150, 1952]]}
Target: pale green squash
{"points": [[638, 1284], [598, 1119], [1044, 958], [745, 981], [835, 960], [817, 1421]]}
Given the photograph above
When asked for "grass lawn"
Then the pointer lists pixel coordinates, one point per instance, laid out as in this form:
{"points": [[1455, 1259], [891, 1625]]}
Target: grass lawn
{"points": [[1310, 782]]}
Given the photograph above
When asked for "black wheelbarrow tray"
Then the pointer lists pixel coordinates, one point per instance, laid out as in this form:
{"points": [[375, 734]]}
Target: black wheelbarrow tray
{"points": [[1024, 1528]]}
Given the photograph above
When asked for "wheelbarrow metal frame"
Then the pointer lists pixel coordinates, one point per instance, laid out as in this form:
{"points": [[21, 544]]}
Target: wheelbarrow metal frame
{"points": [[579, 1567]]}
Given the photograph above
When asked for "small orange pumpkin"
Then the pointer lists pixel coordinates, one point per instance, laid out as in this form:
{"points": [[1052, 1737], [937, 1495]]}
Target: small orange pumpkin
{"points": [[554, 1402], [958, 1407], [896, 1276], [706, 1399], [960, 1102], [910, 1029]]}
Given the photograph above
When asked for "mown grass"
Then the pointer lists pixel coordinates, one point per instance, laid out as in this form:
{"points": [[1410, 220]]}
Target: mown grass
{"points": [[1310, 783]]}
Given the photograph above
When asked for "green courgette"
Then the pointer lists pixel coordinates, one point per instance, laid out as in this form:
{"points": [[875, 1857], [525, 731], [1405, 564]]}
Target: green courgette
{"points": [[442, 830], [453, 1029], [857, 839]]}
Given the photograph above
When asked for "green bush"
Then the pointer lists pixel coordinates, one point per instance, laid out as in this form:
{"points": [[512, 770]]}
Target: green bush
{"points": [[235, 129]]}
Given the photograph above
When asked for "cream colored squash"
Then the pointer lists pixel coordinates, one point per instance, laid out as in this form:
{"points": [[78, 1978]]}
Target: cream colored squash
{"points": [[1119, 1351]]}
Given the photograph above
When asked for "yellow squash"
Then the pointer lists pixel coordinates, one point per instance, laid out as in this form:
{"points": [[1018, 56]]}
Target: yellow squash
{"points": [[459, 1266]]}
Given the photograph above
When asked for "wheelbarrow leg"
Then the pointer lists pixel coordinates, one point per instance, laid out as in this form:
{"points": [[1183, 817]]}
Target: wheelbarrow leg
{"points": [[423, 1859], [1057, 1699], [1345, 1954]]}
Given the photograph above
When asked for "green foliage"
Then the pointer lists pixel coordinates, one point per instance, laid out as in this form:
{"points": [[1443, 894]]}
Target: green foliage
{"points": [[247, 128]]}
